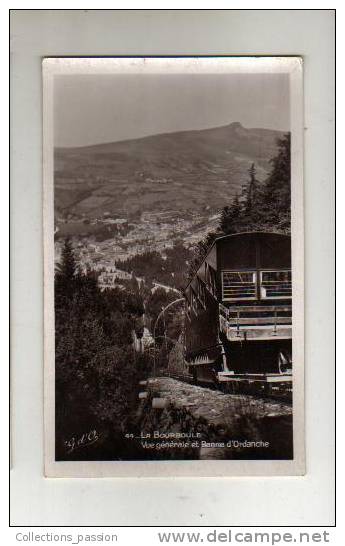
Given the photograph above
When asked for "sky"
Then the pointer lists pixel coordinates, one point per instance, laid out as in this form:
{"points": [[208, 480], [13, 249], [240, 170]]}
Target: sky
{"points": [[94, 109]]}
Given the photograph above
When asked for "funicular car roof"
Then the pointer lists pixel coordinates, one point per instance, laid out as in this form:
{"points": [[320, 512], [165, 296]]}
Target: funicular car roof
{"points": [[238, 235]]}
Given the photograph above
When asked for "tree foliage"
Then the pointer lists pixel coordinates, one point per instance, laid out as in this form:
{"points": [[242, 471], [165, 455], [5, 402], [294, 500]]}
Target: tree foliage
{"points": [[170, 269], [96, 371]]}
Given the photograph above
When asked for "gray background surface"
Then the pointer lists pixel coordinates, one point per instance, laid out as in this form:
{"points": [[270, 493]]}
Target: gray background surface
{"points": [[36, 500]]}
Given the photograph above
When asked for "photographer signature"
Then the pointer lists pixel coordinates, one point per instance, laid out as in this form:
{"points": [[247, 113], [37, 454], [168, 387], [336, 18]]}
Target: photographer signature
{"points": [[86, 439]]}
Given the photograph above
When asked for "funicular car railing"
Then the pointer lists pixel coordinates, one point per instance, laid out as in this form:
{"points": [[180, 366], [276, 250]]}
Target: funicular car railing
{"points": [[235, 317]]}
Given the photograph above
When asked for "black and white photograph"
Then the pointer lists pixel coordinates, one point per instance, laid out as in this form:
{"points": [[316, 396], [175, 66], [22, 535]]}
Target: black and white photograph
{"points": [[173, 233]]}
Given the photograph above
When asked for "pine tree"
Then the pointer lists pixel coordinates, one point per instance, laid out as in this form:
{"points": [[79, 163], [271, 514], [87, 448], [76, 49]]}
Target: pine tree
{"points": [[225, 219], [230, 218], [65, 275], [276, 199], [250, 191], [68, 266]]}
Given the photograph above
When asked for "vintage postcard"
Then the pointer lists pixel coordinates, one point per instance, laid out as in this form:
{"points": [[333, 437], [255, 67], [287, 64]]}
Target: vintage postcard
{"points": [[173, 256]]}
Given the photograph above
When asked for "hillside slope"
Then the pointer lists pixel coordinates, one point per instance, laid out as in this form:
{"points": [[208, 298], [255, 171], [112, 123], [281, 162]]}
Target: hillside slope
{"points": [[184, 171]]}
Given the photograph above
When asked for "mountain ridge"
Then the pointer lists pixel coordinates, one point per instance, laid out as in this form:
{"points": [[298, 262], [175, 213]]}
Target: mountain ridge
{"points": [[184, 170], [234, 124]]}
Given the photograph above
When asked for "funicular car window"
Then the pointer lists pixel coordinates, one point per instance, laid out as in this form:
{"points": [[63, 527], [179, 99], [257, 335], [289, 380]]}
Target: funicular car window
{"points": [[238, 285], [275, 284]]}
